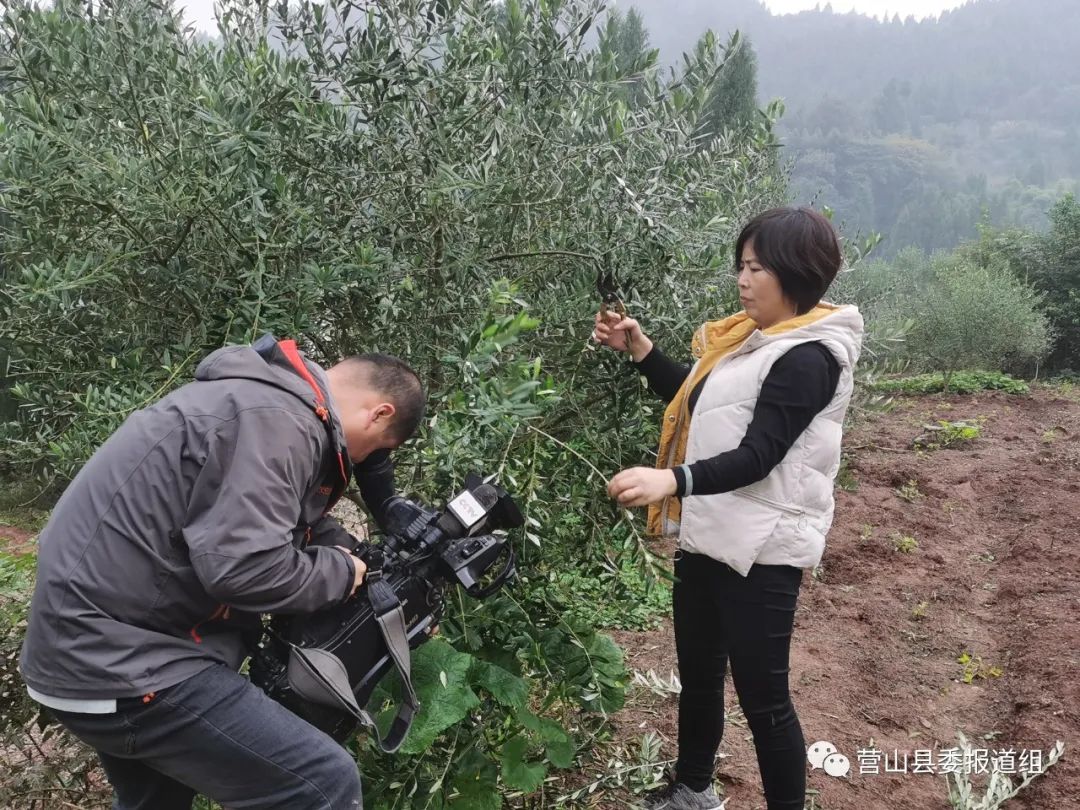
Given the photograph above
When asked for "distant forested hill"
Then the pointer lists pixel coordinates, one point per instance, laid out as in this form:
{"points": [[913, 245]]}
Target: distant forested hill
{"points": [[914, 128]]}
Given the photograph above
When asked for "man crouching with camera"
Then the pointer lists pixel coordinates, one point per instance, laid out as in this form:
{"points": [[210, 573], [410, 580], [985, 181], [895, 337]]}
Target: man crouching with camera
{"points": [[190, 522]]}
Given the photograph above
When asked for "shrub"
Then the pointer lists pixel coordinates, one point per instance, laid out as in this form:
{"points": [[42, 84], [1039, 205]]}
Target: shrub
{"points": [[442, 181], [974, 316], [950, 312], [1050, 262], [354, 192], [16, 581]]}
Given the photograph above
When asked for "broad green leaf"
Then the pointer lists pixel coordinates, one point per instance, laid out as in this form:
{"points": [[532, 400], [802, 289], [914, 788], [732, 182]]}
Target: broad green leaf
{"points": [[441, 706], [508, 689], [516, 772]]}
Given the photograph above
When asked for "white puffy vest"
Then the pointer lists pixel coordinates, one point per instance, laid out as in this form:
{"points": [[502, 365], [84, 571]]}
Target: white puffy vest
{"points": [[782, 519]]}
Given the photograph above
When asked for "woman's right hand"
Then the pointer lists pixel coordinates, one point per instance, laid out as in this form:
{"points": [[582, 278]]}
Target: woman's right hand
{"points": [[623, 334]]}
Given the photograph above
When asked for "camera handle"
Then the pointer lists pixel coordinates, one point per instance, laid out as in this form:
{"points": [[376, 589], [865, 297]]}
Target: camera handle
{"points": [[509, 569]]}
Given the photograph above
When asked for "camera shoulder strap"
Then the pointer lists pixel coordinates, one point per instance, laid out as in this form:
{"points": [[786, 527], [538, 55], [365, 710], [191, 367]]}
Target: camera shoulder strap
{"points": [[319, 676], [391, 618]]}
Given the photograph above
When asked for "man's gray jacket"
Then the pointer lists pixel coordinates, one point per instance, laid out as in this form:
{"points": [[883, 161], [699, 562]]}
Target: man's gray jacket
{"points": [[189, 522]]}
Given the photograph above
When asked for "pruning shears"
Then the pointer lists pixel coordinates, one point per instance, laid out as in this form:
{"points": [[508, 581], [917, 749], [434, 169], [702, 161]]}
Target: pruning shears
{"points": [[610, 300]]}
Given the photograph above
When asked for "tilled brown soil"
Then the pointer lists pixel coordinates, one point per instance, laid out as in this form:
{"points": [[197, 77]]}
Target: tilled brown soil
{"points": [[995, 574]]}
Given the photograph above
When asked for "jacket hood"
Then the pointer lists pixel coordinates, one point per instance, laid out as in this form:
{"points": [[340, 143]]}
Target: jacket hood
{"points": [[840, 329], [265, 362], [843, 328], [244, 363]]}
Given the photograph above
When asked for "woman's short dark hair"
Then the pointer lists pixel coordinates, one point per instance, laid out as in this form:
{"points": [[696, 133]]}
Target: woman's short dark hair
{"points": [[801, 249]]}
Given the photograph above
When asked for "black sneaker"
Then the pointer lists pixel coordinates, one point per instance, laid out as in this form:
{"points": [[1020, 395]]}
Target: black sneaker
{"points": [[677, 796]]}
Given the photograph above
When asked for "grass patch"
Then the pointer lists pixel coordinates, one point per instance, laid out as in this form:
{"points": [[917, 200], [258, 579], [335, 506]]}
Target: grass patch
{"points": [[947, 434], [16, 576], [904, 543], [909, 491], [959, 382], [1067, 387], [974, 667]]}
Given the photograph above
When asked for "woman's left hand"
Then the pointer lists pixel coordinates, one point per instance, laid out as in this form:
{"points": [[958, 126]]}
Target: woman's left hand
{"points": [[641, 486]]}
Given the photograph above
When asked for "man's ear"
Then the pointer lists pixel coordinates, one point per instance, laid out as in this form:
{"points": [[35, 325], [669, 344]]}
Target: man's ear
{"points": [[384, 411]]}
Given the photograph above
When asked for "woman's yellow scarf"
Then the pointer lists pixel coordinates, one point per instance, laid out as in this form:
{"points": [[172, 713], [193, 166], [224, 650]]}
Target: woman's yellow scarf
{"points": [[711, 342]]}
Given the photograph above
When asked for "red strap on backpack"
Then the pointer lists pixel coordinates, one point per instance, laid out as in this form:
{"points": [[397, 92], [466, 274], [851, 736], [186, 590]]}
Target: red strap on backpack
{"points": [[292, 354]]}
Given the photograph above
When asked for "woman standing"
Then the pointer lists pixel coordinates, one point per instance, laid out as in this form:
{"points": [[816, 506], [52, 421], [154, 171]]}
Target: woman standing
{"points": [[749, 451]]}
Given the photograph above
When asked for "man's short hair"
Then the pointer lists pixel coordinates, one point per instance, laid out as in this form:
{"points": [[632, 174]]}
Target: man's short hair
{"points": [[394, 379]]}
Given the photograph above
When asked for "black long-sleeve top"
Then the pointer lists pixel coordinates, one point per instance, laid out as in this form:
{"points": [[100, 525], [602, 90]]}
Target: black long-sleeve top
{"points": [[798, 386], [375, 478]]}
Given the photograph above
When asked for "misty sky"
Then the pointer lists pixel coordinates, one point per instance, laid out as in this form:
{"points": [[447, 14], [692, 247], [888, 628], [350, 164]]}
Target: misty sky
{"points": [[877, 8], [201, 12]]}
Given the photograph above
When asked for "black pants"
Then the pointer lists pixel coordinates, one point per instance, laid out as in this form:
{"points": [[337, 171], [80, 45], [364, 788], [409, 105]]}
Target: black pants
{"points": [[721, 616], [218, 735]]}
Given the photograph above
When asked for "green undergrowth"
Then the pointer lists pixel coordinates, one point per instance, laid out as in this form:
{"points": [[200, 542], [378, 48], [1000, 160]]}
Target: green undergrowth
{"points": [[948, 434], [22, 505], [16, 575], [1067, 386], [960, 382], [16, 586], [612, 596]]}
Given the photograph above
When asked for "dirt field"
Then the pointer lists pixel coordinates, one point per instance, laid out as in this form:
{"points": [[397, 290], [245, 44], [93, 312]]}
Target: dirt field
{"points": [[995, 574]]}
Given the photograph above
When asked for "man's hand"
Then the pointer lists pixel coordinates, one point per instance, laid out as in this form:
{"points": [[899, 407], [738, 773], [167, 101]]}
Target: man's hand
{"points": [[641, 486], [359, 569]]}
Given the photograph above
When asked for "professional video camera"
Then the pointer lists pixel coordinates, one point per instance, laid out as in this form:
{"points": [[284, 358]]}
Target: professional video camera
{"points": [[324, 666]]}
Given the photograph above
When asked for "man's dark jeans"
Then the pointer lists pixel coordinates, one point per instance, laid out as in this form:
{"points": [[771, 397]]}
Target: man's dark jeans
{"points": [[218, 735], [721, 616]]}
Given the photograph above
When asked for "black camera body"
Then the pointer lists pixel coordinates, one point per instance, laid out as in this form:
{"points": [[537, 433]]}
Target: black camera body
{"points": [[324, 666]]}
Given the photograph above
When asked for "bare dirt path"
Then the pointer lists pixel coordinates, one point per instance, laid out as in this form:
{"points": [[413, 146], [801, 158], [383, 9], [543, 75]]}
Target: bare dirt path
{"points": [[14, 540], [994, 573]]}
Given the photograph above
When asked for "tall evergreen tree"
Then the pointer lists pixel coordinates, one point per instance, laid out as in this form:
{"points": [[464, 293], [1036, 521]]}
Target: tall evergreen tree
{"points": [[625, 40], [733, 101], [634, 38]]}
